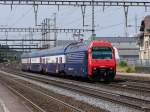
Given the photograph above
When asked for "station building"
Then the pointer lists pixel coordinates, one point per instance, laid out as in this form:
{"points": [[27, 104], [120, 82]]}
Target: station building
{"points": [[144, 39]]}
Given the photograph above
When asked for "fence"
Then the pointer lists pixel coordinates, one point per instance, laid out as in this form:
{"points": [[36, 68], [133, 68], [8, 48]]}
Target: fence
{"points": [[138, 63]]}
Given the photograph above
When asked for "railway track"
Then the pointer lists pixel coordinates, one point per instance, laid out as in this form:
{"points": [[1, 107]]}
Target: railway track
{"points": [[38, 108], [132, 85], [135, 86], [140, 86], [136, 103]]}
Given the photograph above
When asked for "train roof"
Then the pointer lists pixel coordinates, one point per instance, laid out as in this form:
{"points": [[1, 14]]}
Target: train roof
{"points": [[72, 47], [45, 52]]}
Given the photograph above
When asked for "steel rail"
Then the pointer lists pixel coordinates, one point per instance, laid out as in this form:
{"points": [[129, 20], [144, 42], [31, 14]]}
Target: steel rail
{"points": [[147, 85], [131, 87], [139, 81]]}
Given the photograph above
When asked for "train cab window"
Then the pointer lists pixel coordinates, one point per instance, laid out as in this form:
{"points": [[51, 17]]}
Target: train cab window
{"points": [[101, 52]]}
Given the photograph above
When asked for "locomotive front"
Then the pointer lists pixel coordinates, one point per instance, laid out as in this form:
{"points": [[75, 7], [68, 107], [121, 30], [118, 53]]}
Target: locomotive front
{"points": [[101, 61]]}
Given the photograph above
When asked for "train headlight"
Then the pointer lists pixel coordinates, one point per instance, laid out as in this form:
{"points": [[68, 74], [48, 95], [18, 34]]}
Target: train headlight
{"points": [[111, 68], [94, 68]]}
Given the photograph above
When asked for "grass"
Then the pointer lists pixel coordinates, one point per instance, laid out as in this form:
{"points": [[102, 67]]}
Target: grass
{"points": [[124, 67]]}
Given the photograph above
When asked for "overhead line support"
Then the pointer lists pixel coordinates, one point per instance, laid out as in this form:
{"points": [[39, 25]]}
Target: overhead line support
{"points": [[36, 13], [83, 8], [46, 30], [25, 40], [126, 20], [75, 3]]}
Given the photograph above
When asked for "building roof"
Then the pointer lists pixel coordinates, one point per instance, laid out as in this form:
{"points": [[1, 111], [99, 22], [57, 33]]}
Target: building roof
{"points": [[118, 39], [145, 24]]}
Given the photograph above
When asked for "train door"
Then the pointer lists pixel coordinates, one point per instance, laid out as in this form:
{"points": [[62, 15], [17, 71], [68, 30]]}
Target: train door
{"points": [[29, 64], [57, 65], [85, 64], [61, 66], [41, 64], [46, 63]]}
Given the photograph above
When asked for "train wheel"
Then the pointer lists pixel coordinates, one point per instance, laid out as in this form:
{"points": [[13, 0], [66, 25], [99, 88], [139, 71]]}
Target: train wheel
{"points": [[45, 71], [62, 74]]}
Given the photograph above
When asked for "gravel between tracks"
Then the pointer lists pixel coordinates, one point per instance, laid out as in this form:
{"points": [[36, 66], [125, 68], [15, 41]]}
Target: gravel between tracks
{"points": [[79, 97], [49, 105], [105, 87]]}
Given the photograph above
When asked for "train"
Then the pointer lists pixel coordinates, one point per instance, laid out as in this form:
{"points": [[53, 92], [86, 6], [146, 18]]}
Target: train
{"points": [[95, 60]]}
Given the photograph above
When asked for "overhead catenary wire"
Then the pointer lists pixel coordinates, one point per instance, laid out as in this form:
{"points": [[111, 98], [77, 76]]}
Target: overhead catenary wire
{"points": [[22, 17], [68, 14], [87, 16], [10, 15], [118, 24]]}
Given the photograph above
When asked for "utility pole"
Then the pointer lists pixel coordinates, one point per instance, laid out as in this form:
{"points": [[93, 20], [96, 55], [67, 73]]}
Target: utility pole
{"points": [[93, 21], [83, 8], [35, 12], [136, 23], [126, 20], [55, 33], [6, 34], [49, 23]]}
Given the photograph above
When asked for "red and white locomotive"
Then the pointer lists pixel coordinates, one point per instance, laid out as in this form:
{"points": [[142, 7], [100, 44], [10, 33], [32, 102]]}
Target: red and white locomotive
{"points": [[95, 60]]}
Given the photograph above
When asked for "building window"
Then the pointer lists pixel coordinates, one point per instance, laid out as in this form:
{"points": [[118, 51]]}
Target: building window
{"points": [[149, 40], [146, 44]]}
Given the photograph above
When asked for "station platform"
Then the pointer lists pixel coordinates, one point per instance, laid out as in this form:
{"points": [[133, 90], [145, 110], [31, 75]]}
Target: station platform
{"points": [[136, 76], [9, 102]]}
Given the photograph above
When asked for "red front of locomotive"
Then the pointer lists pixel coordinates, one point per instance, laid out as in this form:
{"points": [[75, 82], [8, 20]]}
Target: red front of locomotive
{"points": [[101, 61]]}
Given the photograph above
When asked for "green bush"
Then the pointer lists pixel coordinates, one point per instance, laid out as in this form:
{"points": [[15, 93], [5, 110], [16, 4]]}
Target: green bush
{"points": [[122, 64], [130, 69]]}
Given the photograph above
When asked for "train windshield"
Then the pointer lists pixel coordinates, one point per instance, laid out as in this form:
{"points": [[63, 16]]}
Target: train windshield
{"points": [[101, 52]]}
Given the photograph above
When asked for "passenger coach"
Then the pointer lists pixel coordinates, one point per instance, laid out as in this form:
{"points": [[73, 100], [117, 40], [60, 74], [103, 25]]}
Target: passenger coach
{"points": [[95, 60]]}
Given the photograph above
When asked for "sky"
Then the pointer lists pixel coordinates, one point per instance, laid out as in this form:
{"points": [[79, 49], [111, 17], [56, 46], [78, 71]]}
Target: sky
{"points": [[108, 23]]}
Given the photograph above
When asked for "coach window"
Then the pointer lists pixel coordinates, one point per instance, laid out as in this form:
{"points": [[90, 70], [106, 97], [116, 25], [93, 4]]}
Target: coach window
{"points": [[56, 60], [40, 60], [60, 59], [46, 60]]}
